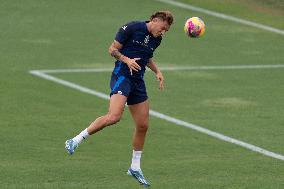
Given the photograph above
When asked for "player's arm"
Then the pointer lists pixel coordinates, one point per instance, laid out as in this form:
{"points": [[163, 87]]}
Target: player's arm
{"points": [[153, 66], [114, 52]]}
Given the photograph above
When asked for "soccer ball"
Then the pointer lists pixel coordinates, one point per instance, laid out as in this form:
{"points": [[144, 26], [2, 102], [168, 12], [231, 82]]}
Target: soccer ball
{"points": [[194, 27]]}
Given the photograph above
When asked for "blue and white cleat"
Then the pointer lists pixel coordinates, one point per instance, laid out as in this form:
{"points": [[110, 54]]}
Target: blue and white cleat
{"points": [[70, 146], [138, 175]]}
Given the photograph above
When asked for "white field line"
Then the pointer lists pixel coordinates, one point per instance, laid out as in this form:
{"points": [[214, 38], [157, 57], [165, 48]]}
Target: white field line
{"points": [[185, 68], [222, 16], [69, 84], [219, 136]]}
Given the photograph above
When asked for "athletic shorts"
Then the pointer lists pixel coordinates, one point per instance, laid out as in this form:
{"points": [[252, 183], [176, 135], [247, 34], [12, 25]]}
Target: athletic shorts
{"points": [[133, 89]]}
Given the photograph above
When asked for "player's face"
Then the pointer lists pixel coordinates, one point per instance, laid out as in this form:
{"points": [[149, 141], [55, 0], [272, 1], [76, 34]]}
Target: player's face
{"points": [[160, 27]]}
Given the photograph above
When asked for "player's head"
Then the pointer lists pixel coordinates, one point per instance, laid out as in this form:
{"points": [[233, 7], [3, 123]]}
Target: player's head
{"points": [[160, 23]]}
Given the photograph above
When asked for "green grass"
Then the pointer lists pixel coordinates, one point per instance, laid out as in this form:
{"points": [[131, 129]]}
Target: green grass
{"points": [[267, 12], [37, 116]]}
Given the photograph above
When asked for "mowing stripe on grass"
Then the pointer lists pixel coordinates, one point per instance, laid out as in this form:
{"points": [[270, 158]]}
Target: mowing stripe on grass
{"points": [[162, 116], [222, 16], [185, 68]]}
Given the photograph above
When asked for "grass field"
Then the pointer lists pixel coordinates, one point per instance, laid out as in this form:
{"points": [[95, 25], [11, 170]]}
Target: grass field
{"points": [[37, 115]]}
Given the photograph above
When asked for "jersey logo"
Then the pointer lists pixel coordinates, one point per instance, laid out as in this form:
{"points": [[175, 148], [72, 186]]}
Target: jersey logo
{"points": [[124, 27], [147, 38]]}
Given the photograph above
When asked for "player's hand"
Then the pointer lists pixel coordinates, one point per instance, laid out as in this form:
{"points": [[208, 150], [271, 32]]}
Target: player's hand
{"points": [[133, 65], [160, 78]]}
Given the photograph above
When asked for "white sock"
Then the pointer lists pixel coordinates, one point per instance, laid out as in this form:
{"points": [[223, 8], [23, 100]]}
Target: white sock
{"points": [[80, 137], [136, 156]]}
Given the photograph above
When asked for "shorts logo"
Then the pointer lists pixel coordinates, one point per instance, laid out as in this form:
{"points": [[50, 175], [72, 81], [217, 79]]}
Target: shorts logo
{"points": [[119, 92]]}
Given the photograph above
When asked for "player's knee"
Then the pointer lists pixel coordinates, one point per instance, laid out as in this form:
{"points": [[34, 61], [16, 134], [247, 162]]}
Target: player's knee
{"points": [[112, 119], [143, 127]]}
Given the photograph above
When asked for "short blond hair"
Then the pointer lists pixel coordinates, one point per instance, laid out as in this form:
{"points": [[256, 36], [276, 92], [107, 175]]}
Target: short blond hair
{"points": [[163, 15]]}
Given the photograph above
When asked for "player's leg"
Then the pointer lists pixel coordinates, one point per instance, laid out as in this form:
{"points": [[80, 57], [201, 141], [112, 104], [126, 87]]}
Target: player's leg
{"points": [[116, 107], [140, 115]]}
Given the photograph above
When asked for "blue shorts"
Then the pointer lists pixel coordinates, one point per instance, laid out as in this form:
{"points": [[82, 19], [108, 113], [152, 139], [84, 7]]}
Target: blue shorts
{"points": [[134, 89]]}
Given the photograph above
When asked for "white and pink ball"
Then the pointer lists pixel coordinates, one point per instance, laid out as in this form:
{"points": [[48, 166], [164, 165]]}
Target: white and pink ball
{"points": [[194, 27]]}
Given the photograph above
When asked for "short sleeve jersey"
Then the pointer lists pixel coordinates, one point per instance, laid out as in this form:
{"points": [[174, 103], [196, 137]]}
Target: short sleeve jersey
{"points": [[137, 42]]}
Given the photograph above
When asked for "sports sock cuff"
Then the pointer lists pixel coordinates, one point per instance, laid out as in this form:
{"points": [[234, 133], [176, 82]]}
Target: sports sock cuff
{"points": [[84, 133], [136, 154]]}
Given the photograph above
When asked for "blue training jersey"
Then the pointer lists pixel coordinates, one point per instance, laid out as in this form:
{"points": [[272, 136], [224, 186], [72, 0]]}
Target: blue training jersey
{"points": [[137, 42]]}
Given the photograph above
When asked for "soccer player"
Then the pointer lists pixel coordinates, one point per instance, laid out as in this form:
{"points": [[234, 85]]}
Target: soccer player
{"points": [[133, 49]]}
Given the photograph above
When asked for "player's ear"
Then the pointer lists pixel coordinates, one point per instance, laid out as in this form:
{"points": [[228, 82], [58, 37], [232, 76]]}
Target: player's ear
{"points": [[155, 19]]}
